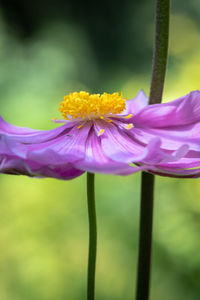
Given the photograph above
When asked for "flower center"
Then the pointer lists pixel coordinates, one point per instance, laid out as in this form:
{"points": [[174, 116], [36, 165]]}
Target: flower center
{"points": [[86, 106]]}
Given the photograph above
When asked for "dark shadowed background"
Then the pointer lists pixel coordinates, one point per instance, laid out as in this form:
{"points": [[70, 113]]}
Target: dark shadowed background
{"points": [[48, 49]]}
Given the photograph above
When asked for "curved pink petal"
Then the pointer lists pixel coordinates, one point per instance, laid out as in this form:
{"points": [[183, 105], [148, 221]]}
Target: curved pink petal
{"points": [[69, 148], [51, 158], [8, 128], [17, 166], [27, 135], [182, 111], [62, 149], [175, 172], [171, 137], [120, 146], [135, 105], [96, 161]]}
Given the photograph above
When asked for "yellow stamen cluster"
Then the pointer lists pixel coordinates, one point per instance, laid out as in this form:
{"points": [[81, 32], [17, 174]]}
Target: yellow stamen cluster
{"points": [[83, 105]]}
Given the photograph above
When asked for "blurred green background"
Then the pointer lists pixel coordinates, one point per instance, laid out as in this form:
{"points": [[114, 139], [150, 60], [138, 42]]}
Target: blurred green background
{"points": [[47, 50]]}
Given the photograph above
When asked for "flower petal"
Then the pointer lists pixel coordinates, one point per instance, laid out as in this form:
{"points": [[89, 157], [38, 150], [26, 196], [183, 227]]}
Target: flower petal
{"points": [[14, 166], [96, 161], [175, 172], [60, 150], [27, 135], [135, 105], [118, 146], [47, 159], [182, 111]]}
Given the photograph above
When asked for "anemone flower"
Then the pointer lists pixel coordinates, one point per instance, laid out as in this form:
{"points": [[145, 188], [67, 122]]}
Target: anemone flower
{"points": [[108, 134]]}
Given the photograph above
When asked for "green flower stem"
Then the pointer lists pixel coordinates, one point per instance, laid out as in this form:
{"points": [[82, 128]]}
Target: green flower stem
{"points": [[145, 236], [92, 237], [160, 51], [147, 187]]}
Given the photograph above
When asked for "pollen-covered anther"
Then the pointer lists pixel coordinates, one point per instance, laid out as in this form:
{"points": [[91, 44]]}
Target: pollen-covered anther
{"points": [[128, 116], [82, 105], [101, 132], [129, 126]]}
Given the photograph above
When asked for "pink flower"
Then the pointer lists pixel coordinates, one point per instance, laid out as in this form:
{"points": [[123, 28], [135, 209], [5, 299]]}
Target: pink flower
{"points": [[107, 134]]}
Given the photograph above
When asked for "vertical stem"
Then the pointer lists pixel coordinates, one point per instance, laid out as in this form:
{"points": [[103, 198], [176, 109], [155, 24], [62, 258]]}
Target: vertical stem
{"points": [[160, 51], [147, 188], [92, 237], [145, 236]]}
